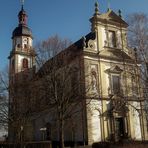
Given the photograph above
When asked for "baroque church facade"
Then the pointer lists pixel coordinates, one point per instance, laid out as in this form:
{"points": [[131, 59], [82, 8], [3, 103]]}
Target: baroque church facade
{"points": [[112, 95]]}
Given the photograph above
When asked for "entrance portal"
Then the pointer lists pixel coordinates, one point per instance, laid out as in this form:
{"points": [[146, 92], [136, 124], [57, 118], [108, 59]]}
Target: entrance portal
{"points": [[119, 128]]}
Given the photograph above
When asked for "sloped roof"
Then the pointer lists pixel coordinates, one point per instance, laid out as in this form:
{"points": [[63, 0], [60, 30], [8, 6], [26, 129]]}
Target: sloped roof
{"points": [[79, 43], [22, 30], [68, 54]]}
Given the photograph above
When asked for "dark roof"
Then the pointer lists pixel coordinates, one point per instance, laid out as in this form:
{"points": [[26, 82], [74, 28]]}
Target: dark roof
{"points": [[71, 52], [79, 44], [22, 30]]}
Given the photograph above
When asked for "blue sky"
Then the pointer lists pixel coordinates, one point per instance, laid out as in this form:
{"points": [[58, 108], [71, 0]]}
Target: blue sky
{"points": [[67, 18]]}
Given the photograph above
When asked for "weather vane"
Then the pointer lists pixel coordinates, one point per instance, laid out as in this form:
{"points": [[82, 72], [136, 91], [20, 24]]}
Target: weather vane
{"points": [[22, 2]]}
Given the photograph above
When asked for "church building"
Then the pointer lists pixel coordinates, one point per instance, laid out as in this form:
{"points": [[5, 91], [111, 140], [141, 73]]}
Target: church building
{"points": [[107, 103]]}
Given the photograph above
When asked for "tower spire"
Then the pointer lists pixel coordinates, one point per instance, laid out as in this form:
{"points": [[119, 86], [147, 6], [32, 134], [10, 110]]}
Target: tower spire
{"points": [[22, 15]]}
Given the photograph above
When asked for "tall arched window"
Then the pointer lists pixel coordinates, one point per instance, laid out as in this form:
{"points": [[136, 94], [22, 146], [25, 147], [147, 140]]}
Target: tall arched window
{"points": [[25, 63]]}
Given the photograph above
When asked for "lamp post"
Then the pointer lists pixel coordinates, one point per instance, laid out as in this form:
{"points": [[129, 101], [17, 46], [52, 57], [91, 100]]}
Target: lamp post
{"points": [[43, 130], [21, 135]]}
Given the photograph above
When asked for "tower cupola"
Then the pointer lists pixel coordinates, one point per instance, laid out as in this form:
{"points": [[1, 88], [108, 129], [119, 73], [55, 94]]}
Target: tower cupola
{"points": [[22, 16], [22, 29]]}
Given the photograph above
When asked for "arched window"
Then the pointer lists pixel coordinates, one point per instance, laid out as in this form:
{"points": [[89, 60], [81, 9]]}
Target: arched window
{"points": [[18, 45], [25, 63]]}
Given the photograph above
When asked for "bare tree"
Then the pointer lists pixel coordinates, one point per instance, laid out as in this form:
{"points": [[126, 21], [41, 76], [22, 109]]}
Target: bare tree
{"points": [[57, 86], [4, 99], [138, 37], [14, 104], [46, 49], [61, 85], [60, 92], [20, 104], [19, 107]]}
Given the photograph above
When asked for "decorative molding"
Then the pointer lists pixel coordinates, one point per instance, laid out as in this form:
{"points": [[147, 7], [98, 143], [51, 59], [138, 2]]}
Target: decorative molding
{"points": [[114, 69]]}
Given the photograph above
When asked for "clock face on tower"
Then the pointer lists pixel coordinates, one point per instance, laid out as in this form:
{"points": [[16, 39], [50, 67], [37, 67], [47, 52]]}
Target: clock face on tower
{"points": [[25, 40]]}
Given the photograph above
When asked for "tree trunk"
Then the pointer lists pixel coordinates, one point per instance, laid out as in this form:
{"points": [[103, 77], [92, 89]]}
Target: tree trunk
{"points": [[61, 133]]}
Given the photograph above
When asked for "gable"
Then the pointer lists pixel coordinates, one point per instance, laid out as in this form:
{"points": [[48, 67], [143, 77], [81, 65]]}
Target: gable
{"points": [[111, 17], [114, 69]]}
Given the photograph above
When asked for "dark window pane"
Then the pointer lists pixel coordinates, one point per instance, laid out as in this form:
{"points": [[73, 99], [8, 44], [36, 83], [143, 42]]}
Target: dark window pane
{"points": [[116, 84], [25, 63]]}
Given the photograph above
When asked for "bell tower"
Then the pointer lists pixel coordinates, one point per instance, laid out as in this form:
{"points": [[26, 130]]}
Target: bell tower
{"points": [[22, 55]]}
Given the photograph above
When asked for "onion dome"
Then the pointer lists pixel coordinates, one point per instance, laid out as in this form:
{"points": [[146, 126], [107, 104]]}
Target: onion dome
{"points": [[22, 28]]}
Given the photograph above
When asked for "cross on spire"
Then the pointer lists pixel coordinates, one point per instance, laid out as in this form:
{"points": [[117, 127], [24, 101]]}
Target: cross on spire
{"points": [[22, 2]]}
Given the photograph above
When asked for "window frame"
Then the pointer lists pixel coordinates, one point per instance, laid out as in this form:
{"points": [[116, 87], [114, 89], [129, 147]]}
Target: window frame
{"points": [[112, 83], [112, 41]]}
